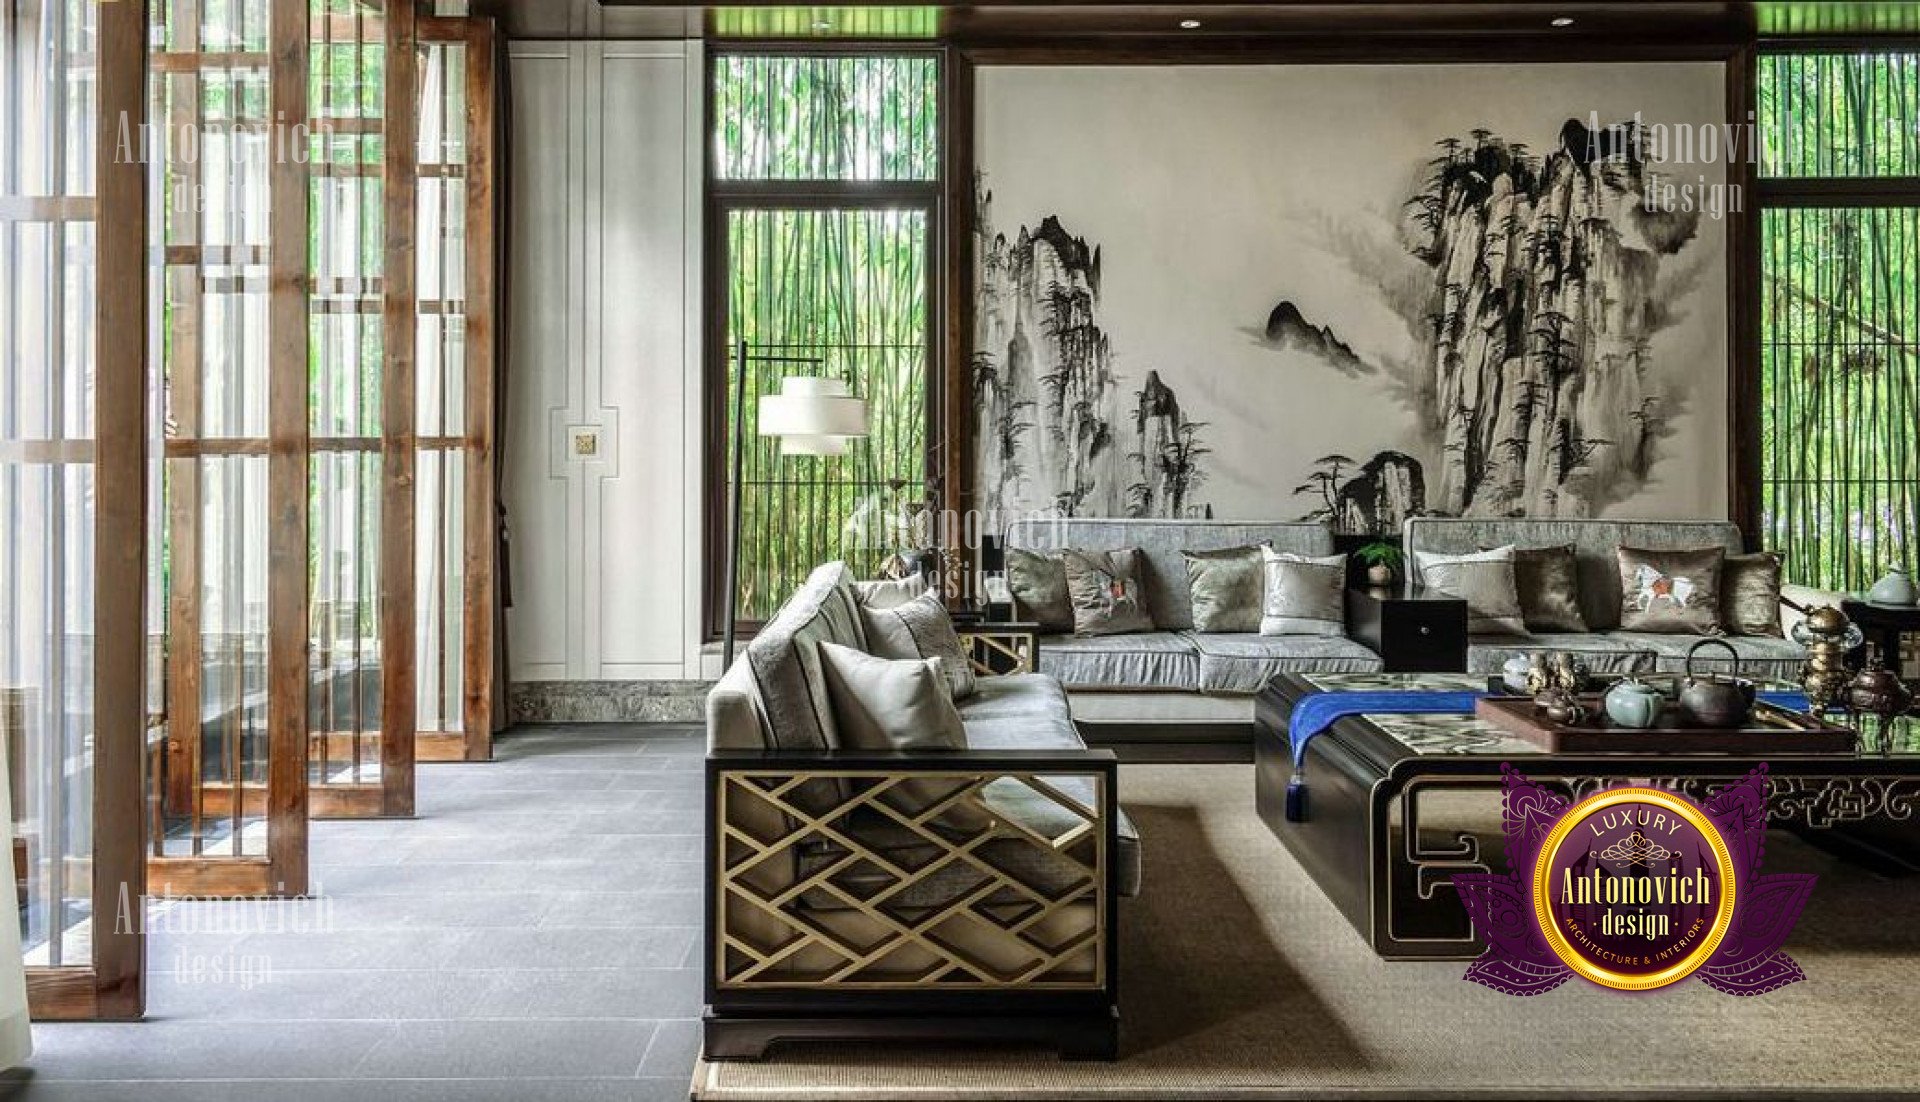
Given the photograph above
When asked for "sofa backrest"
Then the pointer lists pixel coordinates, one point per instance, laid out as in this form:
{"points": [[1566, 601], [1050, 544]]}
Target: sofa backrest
{"points": [[1594, 545], [1161, 542], [777, 681]]}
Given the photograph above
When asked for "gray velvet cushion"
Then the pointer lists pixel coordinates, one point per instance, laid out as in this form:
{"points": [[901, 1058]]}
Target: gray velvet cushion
{"points": [[1225, 588], [1244, 663], [1486, 654], [1750, 594], [921, 628], [889, 592], [1107, 590], [1486, 580], [1547, 581], [1039, 585], [1760, 656], [1594, 543], [784, 658], [1672, 591], [1161, 542], [899, 704], [1304, 595], [1145, 660]]}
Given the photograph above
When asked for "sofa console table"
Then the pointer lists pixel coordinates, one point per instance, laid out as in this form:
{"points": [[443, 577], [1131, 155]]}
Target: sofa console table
{"points": [[1402, 802], [1419, 632]]}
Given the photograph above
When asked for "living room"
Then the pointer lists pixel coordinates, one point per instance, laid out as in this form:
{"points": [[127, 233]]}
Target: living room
{"points": [[561, 549]]}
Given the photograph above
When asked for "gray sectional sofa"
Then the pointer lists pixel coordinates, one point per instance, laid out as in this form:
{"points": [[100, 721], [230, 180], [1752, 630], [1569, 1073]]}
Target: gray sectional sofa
{"points": [[854, 893], [1175, 685], [1605, 648]]}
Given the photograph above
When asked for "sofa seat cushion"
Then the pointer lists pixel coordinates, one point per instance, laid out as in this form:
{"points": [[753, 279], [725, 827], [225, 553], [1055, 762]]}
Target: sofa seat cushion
{"points": [[1602, 653], [1146, 660], [1244, 663], [1020, 712], [1760, 656]]}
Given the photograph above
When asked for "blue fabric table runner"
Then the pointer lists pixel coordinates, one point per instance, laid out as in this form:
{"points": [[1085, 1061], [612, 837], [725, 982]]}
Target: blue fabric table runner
{"points": [[1315, 712]]}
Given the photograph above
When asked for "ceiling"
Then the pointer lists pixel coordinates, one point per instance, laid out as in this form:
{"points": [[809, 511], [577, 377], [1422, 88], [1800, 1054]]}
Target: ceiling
{"points": [[1019, 21]]}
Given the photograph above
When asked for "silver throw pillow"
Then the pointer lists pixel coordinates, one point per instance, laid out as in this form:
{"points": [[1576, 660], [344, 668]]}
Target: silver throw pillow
{"points": [[921, 628], [1224, 588], [1105, 588], [1304, 596], [1485, 580], [883, 704]]}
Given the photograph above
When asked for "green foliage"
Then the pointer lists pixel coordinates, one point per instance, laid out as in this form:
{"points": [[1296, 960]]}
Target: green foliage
{"points": [[1840, 378], [1380, 553]]}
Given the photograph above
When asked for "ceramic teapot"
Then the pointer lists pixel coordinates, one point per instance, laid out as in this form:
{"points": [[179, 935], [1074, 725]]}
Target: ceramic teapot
{"points": [[1634, 703], [1716, 700]]}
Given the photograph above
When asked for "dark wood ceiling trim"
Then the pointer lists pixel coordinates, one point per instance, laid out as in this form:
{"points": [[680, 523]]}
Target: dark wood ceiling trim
{"points": [[1340, 50]]}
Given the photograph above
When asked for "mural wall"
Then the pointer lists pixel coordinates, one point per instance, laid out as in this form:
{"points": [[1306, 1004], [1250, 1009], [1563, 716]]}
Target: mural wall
{"points": [[1349, 292]]}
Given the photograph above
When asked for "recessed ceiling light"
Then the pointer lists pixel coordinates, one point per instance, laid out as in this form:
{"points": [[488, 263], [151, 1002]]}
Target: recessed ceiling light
{"points": [[1564, 21], [1189, 24]]}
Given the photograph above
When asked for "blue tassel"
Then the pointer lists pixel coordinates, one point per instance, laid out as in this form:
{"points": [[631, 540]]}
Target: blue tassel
{"points": [[1297, 799]]}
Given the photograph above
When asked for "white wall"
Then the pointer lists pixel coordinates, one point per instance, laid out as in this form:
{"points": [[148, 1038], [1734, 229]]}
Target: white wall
{"points": [[604, 315]]}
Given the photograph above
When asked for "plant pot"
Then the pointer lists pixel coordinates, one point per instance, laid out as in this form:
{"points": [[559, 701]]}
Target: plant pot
{"points": [[1379, 575]]}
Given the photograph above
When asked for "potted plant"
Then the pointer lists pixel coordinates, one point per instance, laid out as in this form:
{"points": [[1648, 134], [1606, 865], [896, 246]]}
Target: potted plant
{"points": [[1383, 561]]}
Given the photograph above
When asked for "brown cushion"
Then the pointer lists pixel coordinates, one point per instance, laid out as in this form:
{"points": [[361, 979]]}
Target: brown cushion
{"points": [[1547, 581], [1107, 592], [1671, 592], [1039, 586], [1750, 594]]}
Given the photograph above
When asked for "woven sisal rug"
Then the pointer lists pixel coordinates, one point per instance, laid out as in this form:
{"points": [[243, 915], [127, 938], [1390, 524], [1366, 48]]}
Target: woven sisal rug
{"points": [[1239, 980]]}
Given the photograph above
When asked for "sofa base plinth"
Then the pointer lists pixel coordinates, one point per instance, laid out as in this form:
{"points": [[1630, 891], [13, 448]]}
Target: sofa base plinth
{"points": [[1074, 1037]]}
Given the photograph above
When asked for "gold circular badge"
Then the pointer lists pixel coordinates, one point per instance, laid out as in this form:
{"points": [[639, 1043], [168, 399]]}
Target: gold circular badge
{"points": [[1634, 888]]}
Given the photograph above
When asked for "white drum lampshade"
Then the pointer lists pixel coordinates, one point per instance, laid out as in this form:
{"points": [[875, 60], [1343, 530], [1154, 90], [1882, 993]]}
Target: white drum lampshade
{"points": [[813, 416]]}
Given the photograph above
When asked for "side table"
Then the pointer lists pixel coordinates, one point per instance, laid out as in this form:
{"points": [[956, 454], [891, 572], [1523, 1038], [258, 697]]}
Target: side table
{"points": [[1422, 631], [999, 646], [1893, 629]]}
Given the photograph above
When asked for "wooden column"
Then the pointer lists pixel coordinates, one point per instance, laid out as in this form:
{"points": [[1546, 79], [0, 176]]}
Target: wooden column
{"points": [[481, 534], [397, 428]]}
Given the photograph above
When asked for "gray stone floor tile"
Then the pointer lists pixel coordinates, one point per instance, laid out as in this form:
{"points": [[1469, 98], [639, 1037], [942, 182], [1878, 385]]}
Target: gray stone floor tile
{"points": [[579, 1046]]}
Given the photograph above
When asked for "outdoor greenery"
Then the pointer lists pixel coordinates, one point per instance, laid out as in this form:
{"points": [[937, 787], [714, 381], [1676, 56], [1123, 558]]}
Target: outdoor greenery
{"points": [[838, 291], [1840, 383]]}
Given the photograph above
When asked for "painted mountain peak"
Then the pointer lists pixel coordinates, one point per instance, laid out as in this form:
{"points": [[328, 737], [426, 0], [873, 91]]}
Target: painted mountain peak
{"points": [[1288, 329], [1055, 426], [1538, 318]]}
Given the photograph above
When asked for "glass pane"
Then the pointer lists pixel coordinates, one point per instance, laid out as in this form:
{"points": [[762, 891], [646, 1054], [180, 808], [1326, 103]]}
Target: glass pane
{"points": [[1839, 114], [1840, 394], [439, 569], [837, 22], [826, 118], [47, 303], [343, 691], [842, 293]]}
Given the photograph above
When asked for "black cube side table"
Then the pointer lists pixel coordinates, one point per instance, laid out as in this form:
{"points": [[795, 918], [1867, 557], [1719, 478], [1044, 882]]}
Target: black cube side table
{"points": [[1423, 631]]}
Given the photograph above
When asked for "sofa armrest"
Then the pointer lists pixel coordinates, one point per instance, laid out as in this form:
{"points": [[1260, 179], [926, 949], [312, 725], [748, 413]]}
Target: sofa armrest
{"points": [[849, 873], [997, 650]]}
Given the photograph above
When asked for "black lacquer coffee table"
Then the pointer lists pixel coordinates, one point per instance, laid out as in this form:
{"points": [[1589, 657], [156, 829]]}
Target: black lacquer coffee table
{"points": [[1399, 803]]}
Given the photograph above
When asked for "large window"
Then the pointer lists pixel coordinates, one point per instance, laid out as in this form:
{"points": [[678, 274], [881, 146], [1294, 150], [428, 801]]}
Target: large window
{"points": [[1840, 270], [824, 199]]}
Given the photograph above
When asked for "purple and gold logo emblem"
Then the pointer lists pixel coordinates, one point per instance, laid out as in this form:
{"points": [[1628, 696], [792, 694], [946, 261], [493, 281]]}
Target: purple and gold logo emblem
{"points": [[1635, 889]]}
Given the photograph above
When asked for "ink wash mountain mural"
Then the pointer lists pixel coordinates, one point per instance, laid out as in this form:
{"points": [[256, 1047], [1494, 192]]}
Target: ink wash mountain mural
{"points": [[1056, 425], [1356, 293]]}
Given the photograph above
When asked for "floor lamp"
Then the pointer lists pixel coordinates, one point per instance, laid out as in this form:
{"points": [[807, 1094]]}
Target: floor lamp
{"points": [[811, 416]]}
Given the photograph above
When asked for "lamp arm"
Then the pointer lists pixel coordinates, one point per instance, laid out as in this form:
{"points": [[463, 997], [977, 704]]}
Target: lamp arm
{"points": [[738, 462]]}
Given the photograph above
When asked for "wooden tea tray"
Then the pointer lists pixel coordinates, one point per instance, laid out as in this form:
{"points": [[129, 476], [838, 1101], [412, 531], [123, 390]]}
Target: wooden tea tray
{"points": [[1773, 730]]}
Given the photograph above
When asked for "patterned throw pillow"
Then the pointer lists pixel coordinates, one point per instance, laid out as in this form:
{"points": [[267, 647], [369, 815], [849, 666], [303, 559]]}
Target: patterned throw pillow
{"points": [[1485, 580], [1547, 580], [1106, 590], [1750, 594], [921, 628], [1225, 588], [1671, 592], [1039, 585], [1303, 596]]}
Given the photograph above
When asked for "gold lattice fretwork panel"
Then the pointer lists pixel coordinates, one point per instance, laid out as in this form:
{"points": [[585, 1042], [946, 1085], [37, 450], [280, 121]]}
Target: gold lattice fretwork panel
{"points": [[911, 880], [994, 651]]}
